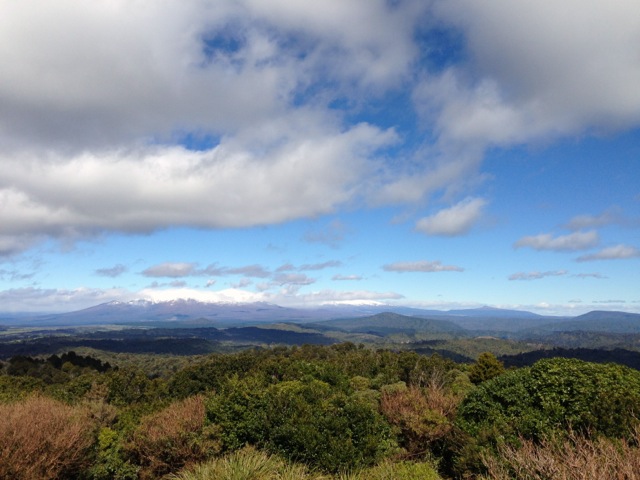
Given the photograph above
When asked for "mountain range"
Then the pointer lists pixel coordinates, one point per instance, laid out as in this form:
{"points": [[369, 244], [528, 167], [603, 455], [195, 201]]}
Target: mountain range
{"points": [[191, 313]]}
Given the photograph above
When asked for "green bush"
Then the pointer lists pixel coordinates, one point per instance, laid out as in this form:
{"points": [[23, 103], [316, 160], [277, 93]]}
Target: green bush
{"points": [[554, 395], [307, 421], [111, 462]]}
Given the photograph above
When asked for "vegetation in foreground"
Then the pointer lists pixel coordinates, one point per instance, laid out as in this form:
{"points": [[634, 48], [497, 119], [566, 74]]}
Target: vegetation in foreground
{"points": [[317, 412]]}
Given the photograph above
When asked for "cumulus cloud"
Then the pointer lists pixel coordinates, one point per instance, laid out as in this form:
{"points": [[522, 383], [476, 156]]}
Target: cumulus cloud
{"points": [[608, 217], [455, 220], [421, 266], [320, 266], [94, 103], [346, 277], [257, 271], [171, 270], [348, 297], [58, 300], [563, 243], [616, 252], [229, 295], [243, 283], [112, 272], [292, 279], [120, 71], [535, 70], [143, 190], [537, 275]]}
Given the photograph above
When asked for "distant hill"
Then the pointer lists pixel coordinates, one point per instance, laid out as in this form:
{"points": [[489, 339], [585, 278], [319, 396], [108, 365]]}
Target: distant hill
{"points": [[388, 323], [372, 318], [596, 321], [184, 312], [178, 311], [491, 312], [618, 355]]}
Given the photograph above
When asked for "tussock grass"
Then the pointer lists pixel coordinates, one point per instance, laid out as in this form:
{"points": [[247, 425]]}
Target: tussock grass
{"points": [[251, 464], [574, 458]]}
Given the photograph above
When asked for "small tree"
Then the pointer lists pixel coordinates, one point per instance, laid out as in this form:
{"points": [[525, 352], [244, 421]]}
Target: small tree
{"points": [[486, 368]]}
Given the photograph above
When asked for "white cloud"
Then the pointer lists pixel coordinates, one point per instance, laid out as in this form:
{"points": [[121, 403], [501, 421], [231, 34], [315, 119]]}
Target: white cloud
{"points": [[616, 252], [421, 266], [537, 275], [455, 220], [93, 100], [564, 243], [229, 295], [148, 189], [608, 217], [256, 271], [539, 69], [350, 297], [346, 277], [50, 300], [292, 279], [171, 270], [320, 266], [113, 272]]}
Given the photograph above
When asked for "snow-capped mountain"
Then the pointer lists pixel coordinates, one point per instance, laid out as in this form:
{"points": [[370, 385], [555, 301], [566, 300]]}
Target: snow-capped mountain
{"points": [[189, 311]]}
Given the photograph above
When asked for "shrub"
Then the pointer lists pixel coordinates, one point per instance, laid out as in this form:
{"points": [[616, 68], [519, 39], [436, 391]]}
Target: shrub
{"points": [[395, 471], [18, 388], [307, 421], [110, 462], [174, 437], [549, 399], [44, 439], [422, 415], [555, 395]]}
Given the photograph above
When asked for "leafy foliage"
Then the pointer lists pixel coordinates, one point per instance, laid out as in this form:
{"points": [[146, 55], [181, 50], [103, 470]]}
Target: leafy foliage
{"points": [[486, 368], [306, 421], [552, 395]]}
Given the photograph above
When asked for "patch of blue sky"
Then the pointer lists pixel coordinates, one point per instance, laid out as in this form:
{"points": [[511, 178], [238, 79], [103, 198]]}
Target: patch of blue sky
{"points": [[225, 42], [440, 47], [196, 140]]}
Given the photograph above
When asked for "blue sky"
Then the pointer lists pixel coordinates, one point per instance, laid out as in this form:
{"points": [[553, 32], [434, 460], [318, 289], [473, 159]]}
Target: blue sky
{"points": [[439, 154]]}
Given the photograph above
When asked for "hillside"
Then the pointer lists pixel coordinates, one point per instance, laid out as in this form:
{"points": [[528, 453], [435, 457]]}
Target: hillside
{"points": [[595, 321], [390, 323]]}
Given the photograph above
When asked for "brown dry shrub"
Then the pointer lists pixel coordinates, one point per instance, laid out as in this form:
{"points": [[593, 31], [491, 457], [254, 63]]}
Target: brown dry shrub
{"points": [[574, 458], [423, 415], [172, 438], [45, 439]]}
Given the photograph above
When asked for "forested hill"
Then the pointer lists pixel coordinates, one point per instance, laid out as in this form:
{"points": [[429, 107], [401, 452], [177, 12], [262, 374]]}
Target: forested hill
{"points": [[387, 323]]}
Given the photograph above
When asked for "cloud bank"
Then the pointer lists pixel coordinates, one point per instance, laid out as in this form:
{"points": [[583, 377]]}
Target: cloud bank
{"points": [[138, 116]]}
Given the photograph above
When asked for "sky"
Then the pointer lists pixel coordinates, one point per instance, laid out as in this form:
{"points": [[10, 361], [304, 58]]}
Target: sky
{"points": [[430, 153]]}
